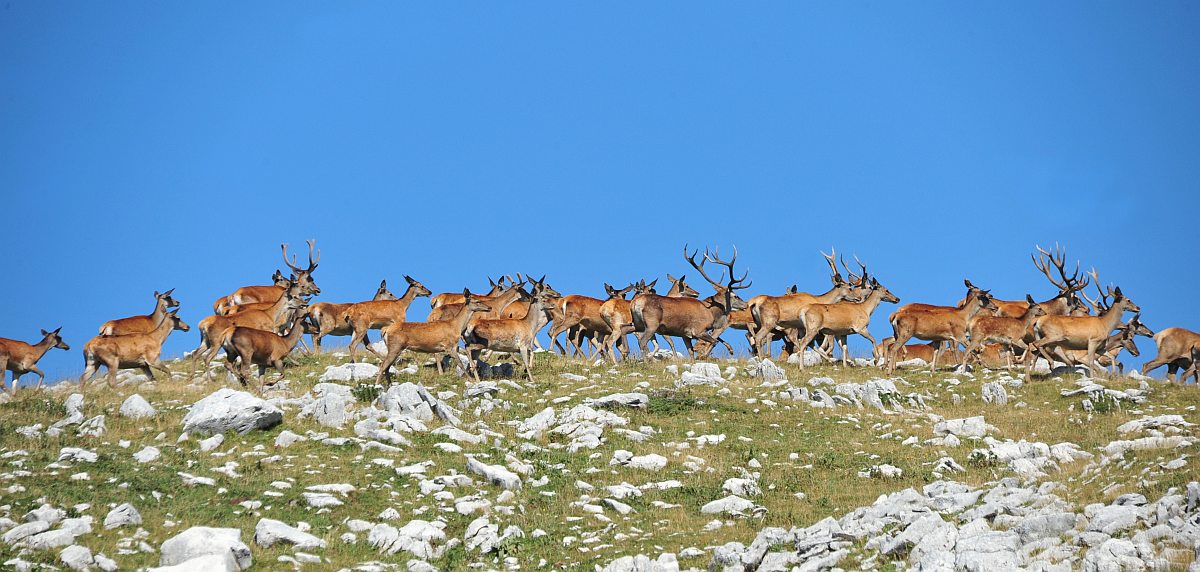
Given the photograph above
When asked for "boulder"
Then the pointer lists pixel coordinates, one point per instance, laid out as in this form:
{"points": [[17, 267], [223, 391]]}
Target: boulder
{"points": [[124, 515], [228, 410], [223, 543], [136, 407], [270, 532]]}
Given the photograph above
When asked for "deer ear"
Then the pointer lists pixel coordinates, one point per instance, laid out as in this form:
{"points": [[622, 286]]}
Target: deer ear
{"points": [[1117, 292], [168, 292], [383, 284], [409, 279], [45, 333], [466, 292], [968, 283], [1029, 298]]}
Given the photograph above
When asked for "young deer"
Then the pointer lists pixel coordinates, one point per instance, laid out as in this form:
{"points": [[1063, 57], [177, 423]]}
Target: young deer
{"points": [[273, 319], [1082, 332], [841, 319], [365, 316], [498, 303], [1009, 332], [303, 276], [1174, 351], [427, 337], [21, 358], [689, 318], [225, 305], [511, 335], [617, 315], [141, 324], [329, 319], [936, 324], [771, 312], [129, 351], [250, 346]]}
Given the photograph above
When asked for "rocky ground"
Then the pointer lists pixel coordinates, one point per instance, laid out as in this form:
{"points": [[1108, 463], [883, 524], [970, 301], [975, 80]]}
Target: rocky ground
{"points": [[663, 465]]}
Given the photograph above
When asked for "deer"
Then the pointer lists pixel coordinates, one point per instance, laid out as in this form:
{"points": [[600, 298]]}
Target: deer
{"points": [[1082, 332], [329, 318], [456, 298], [840, 319], [1192, 370], [1174, 351], [936, 323], [365, 316], [911, 351], [141, 324], [224, 305], [511, 335], [617, 315], [581, 317], [129, 350], [252, 346], [272, 319], [303, 276], [21, 358], [771, 312], [1009, 332], [690, 318], [1122, 339], [439, 337], [449, 310]]}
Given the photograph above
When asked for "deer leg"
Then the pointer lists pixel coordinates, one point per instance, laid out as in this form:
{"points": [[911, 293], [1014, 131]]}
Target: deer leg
{"points": [[4, 374], [1153, 364], [527, 361], [762, 338], [112, 373], [687, 344]]}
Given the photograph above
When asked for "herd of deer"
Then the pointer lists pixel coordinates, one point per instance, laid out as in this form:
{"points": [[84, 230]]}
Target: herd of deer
{"points": [[261, 325]]}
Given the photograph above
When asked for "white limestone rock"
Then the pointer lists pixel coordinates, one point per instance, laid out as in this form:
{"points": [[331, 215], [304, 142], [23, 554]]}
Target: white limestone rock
{"points": [[223, 543], [228, 410], [136, 407]]}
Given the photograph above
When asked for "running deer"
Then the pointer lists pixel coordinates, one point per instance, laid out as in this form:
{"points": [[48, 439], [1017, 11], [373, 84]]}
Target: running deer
{"points": [[840, 319], [690, 318], [581, 318], [1174, 351], [457, 298], [365, 316], [439, 338], [251, 346], [497, 303], [21, 358], [1012, 333], [329, 319], [771, 312], [617, 315], [936, 324], [1082, 332], [514, 336], [141, 324], [272, 319], [303, 276], [225, 305], [127, 351], [1122, 339]]}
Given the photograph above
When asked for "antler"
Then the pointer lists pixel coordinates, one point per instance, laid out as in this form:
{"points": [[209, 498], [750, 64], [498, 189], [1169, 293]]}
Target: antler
{"points": [[1101, 303], [734, 284], [1058, 258], [831, 259], [312, 263], [862, 281], [691, 258]]}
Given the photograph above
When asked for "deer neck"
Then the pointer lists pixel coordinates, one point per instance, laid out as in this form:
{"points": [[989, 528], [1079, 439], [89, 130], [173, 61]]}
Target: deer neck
{"points": [[536, 307], [1112, 316], [968, 311], [833, 295], [279, 307], [464, 319], [297, 331], [405, 301], [160, 308], [40, 348], [163, 330], [873, 300]]}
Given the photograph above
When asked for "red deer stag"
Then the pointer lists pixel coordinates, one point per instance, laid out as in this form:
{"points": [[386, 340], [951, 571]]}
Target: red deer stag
{"points": [[365, 316], [440, 338], [21, 358], [303, 276], [840, 319], [129, 351], [141, 324], [1082, 332], [771, 312], [690, 318]]}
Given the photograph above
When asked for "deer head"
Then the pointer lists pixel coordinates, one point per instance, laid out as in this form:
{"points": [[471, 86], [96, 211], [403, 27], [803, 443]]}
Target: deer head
{"points": [[684, 289], [304, 275], [382, 293], [417, 287], [726, 293], [56, 340], [165, 299]]}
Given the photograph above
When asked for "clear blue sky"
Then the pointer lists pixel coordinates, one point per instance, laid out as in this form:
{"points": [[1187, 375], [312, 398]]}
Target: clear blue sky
{"points": [[151, 145]]}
